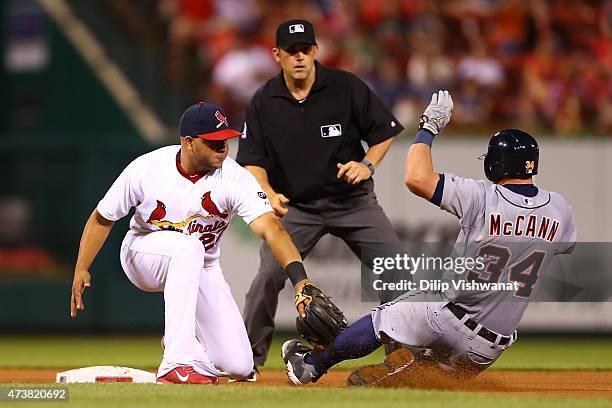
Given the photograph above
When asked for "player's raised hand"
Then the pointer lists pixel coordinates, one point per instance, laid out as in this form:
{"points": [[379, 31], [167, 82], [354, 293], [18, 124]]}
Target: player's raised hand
{"points": [[438, 112], [82, 280], [279, 203]]}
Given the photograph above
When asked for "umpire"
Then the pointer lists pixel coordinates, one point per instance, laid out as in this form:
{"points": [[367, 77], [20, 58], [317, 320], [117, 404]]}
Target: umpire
{"points": [[302, 142]]}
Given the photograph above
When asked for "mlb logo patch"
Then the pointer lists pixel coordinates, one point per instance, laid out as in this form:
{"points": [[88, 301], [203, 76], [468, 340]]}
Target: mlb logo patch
{"points": [[296, 28], [527, 201], [331, 130]]}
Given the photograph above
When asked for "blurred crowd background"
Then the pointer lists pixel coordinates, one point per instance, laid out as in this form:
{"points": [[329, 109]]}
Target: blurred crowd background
{"points": [[541, 65]]}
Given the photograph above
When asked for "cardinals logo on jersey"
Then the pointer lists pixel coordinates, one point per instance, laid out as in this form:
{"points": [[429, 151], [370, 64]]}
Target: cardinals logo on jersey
{"points": [[209, 205], [158, 213]]}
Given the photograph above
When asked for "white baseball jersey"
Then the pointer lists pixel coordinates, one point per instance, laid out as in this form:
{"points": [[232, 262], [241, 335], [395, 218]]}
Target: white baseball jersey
{"points": [[167, 200]]}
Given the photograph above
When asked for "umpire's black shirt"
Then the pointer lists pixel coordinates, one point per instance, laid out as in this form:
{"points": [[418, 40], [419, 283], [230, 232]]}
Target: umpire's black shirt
{"points": [[300, 143]]}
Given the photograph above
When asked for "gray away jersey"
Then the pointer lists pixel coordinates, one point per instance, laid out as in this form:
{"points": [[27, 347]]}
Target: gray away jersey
{"points": [[517, 235]]}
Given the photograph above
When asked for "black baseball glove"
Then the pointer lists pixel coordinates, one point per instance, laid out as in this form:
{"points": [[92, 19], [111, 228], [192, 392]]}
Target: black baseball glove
{"points": [[323, 321]]}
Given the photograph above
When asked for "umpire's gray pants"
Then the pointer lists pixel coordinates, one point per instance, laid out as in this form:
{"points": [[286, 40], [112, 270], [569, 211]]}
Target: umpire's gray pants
{"points": [[356, 218]]}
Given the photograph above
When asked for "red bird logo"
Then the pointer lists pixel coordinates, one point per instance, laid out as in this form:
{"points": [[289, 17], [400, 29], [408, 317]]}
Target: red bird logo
{"points": [[211, 207], [158, 213], [222, 119]]}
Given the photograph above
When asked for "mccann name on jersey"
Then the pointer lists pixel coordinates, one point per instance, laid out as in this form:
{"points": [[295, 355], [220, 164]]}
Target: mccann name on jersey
{"points": [[532, 226]]}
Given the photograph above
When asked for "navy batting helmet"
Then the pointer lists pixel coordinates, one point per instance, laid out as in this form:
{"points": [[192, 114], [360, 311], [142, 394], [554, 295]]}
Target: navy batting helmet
{"points": [[512, 153]]}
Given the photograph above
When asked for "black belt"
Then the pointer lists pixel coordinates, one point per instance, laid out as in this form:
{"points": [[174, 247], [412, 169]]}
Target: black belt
{"points": [[459, 313]]}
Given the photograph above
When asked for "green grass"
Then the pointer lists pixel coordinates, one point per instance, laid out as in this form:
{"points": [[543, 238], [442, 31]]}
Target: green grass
{"points": [[79, 351], [164, 396], [557, 354], [145, 352]]}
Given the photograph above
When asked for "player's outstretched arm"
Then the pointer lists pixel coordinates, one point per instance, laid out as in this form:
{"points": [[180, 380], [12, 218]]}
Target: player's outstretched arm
{"points": [[94, 234], [419, 175], [319, 320], [277, 200], [269, 228]]}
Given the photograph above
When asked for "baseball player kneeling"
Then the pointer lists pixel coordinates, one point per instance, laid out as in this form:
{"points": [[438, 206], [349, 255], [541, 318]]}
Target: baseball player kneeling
{"points": [[185, 197], [514, 225]]}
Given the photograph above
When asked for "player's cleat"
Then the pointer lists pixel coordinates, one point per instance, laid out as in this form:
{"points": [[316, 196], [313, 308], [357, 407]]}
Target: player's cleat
{"points": [[374, 373], [298, 370], [391, 346], [186, 375], [249, 378]]}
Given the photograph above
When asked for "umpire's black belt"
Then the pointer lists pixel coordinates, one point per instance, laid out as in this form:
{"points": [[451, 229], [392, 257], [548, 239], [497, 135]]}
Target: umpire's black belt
{"points": [[459, 313]]}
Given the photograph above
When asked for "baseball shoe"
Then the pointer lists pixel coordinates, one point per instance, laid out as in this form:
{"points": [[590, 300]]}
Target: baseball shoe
{"points": [[186, 375], [374, 373], [298, 371], [391, 346], [249, 378]]}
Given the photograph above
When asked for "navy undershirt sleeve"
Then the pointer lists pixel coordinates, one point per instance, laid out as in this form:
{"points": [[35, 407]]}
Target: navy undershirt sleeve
{"points": [[437, 195]]}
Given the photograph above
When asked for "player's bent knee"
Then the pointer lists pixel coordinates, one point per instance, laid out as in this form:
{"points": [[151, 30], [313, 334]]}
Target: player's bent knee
{"points": [[236, 367]]}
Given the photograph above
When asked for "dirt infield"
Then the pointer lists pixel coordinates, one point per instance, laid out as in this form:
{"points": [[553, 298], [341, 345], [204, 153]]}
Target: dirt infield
{"points": [[543, 383]]}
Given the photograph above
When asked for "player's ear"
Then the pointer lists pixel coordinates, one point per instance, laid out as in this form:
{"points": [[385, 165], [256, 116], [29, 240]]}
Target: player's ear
{"points": [[188, 141]]}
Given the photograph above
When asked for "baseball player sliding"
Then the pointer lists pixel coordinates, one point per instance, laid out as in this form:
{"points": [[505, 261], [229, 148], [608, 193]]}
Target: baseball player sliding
{"points": [[185, 197], [514, 225]]}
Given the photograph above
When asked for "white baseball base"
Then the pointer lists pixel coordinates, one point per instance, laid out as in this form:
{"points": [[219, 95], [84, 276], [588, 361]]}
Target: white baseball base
{"points": [[98, 374]]}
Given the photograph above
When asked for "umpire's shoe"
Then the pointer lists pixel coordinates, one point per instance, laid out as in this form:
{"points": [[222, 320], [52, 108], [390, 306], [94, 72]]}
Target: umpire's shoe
{"points": [[298, 370]]}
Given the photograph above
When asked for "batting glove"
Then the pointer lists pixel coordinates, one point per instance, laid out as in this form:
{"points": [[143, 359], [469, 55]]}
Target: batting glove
{"points": [[438, 113]]}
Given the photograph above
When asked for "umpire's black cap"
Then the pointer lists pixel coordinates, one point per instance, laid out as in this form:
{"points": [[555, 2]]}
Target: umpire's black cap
{"points": [[294, 32]]}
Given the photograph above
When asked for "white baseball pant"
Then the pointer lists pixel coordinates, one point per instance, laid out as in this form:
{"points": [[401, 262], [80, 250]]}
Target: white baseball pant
{"points": [[203, 326]]}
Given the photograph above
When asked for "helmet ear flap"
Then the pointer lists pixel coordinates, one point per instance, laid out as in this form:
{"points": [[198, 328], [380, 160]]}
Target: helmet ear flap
{"points": [[489, 169]]}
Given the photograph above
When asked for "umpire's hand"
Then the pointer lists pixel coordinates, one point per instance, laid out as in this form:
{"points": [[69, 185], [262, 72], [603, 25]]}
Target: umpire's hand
{"points": [[353, 172]]}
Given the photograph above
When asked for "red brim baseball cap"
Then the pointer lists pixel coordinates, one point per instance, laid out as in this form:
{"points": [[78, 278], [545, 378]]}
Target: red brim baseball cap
{"points": [[206, 121], [220, 135]]}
